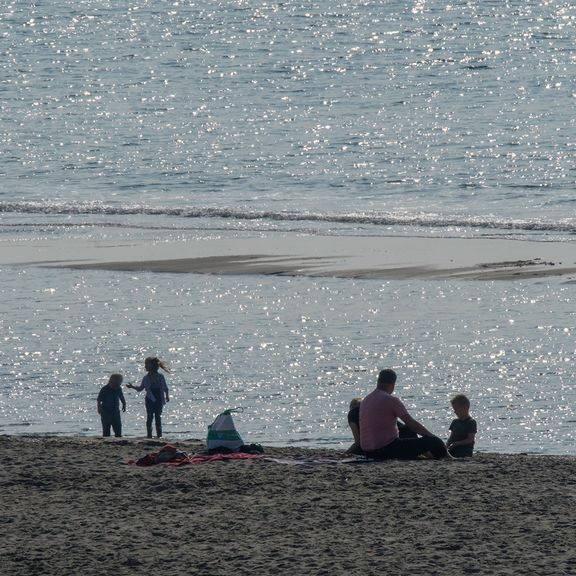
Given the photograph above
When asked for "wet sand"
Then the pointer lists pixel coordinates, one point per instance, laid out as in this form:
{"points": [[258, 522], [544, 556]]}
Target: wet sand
{"points": [[74, 506], [319, 256]]}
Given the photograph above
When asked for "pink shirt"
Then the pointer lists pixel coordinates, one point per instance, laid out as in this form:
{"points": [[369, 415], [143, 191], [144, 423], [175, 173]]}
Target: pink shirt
{"points": [[156, 387], [378, 419]]}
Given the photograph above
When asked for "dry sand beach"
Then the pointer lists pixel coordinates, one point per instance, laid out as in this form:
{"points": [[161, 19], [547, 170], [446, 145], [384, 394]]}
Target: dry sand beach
{"points": [[74, 506], [317, 256]]}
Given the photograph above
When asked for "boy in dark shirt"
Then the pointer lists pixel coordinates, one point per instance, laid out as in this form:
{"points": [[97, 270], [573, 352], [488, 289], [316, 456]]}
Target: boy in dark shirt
{"points": [[462, 429], [108, 402]]}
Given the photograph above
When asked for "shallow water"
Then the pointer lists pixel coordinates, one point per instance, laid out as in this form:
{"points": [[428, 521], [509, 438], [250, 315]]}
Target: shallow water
{"points": [[291, 352], [134, 124]]}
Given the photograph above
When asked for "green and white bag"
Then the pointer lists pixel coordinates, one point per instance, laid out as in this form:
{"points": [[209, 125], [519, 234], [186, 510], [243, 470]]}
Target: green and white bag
{"points": [[223, 434]]}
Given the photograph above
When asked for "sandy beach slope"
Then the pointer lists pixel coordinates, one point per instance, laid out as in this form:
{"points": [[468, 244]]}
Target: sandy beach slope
{"points": [[74, 506], [310, 255]]}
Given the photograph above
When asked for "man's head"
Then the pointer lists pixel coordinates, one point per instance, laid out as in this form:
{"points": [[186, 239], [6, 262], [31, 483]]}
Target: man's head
{"points": [[386, 380]]}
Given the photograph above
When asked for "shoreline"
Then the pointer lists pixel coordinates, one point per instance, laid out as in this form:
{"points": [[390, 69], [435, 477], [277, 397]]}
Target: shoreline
{"points": [[359, 257], [198, 445], [74, 506], [298, 449]]}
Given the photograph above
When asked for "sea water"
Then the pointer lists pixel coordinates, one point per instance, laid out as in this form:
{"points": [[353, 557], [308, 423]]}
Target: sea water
{"points": [[148, 122]]}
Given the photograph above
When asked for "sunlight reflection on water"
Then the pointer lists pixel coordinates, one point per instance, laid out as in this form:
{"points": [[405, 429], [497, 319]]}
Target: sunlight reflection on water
{"points": [[291, 352]]}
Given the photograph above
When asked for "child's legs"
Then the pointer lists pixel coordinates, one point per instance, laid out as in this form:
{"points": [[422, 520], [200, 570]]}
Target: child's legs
{"points": [[149, 416], [462, 451], [117, 424], [106, 423], [158, 417]]}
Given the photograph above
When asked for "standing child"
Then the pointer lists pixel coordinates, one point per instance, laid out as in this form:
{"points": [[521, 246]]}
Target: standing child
{"points": [[156, 393], [108, 402], [463, 429]]}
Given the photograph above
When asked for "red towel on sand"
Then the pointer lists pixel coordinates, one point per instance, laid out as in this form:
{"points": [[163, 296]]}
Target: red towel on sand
{"points": [[180, 459]]}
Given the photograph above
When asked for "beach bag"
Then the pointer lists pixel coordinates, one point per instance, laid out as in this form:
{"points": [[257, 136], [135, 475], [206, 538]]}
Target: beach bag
{"points": [[223, 434]]}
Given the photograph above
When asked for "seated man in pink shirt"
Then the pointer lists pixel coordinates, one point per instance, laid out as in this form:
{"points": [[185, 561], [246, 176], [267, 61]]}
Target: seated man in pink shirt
{"points": [[379, 435]]}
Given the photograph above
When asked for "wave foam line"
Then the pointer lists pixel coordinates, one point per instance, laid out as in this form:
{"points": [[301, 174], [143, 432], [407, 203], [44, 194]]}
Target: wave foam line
{"points": [[430, 220]]}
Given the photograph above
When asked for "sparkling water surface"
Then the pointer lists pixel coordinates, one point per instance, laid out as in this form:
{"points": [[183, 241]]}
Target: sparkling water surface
{"points": [[291, 351], [143, 122], [398, 106]]}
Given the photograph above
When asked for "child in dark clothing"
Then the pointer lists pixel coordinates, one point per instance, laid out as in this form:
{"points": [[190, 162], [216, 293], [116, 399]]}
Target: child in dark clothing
{"points": [[462, 429], [108, 402], [354, 423]]}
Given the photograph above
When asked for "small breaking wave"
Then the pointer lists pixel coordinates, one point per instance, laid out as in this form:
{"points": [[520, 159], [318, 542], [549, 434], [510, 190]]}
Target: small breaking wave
{"points": [[421, 219]]}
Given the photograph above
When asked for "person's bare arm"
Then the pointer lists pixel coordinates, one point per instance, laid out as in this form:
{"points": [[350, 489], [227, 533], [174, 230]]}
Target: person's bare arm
{"points": [[137, 388], [415, 426]]}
